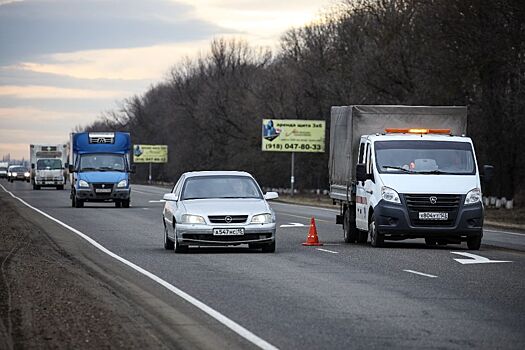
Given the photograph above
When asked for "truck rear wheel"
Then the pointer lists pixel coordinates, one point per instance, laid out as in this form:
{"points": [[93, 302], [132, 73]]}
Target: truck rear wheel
{"points": [[376, 239], [350, 232]]}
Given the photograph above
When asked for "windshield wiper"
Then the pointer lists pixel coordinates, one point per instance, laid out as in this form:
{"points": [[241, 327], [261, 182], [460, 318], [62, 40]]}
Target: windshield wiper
{"points": [[397, 168], [104, 168], [435, 172], [88, 169]]}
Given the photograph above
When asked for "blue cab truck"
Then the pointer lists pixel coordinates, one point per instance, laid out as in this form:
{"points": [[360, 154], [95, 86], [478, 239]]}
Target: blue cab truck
{"points": [[99, 165]]}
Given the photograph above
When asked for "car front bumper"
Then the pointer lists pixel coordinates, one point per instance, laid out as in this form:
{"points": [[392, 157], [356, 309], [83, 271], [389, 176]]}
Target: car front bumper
{"points": [[393, 220], [189, 234]]}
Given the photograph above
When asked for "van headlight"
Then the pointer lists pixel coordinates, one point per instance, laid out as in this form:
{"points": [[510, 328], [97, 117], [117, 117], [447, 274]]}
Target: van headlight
{"points": [[192, 219], [83, 184], [473, 197], [390, 195], [262, 219], [122, 183]]}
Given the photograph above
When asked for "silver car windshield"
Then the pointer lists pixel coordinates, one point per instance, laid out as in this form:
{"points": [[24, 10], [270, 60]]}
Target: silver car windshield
{"points": [[225, 186], [425, 157]]}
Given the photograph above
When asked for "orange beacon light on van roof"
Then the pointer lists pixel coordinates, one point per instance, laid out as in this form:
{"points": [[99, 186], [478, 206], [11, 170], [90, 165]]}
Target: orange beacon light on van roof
{"points": [[416, 131]]}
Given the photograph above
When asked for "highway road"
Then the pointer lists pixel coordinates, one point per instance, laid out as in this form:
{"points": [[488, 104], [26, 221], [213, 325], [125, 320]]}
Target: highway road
{"points": [[337, 296]]}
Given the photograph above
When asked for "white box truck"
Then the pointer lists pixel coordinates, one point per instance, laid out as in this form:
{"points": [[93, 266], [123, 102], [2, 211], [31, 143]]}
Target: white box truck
{"points": [[401, 172], [48, 165]]}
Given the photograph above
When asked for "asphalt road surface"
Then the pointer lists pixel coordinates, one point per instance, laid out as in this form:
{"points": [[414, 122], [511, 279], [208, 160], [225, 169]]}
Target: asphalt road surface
{"points": [[337, 296]]}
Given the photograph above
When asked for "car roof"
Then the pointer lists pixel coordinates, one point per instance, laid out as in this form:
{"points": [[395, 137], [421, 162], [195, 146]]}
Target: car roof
{"points": [[216, 173]]}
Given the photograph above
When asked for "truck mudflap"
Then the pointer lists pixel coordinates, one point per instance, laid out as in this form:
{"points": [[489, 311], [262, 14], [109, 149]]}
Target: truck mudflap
{"points": [[398, 221]]}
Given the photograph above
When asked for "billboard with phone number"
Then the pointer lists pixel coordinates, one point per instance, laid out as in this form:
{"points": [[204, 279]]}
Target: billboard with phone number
{"points": [[293, 135], [150, 153]]}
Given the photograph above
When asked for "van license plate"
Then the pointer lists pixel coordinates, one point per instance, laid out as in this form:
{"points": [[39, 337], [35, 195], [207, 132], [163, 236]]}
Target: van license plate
{"points": [[103, 190], [228, 231], [433, 216]]}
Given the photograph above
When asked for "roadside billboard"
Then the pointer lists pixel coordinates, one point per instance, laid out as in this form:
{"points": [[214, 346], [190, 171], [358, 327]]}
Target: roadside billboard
{"points": [[293, 135], [150, 153]]}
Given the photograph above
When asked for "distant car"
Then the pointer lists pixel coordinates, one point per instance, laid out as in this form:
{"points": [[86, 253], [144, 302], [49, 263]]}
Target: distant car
{"points": [[3, 171], [218, 208], [18, 173]]}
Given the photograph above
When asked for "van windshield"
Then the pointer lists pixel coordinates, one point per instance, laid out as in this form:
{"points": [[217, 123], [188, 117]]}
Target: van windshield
{"points": [[102, 162], [425, 157], [48, 164]]}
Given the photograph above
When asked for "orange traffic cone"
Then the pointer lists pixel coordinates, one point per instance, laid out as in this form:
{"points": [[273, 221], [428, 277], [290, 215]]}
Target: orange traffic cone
{"points": [[312, 238]]}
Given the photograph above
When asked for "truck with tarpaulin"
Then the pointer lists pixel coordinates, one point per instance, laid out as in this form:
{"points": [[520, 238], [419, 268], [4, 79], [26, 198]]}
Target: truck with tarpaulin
{"points": [[401, 172]]}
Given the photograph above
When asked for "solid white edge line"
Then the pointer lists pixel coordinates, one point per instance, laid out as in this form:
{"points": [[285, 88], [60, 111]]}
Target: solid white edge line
{"points": [[420, 273], [237, 328], [328, 251], [505, 232]]}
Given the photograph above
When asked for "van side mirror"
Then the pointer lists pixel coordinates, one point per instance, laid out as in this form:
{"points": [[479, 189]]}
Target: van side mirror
{"points": [[32, 165], [71, 168], [488, 173], [360, 172], [133, 169]]}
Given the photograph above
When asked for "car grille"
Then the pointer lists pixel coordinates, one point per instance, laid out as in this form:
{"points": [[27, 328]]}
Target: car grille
{"points": [[225, 219], [446, 203]]}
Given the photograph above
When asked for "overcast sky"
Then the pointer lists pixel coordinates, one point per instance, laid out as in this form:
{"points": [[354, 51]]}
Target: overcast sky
{"points": [[64, 62]]}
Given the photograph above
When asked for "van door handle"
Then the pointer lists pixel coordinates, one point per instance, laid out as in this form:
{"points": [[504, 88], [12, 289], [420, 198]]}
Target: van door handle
{"points": [[369, 192]]}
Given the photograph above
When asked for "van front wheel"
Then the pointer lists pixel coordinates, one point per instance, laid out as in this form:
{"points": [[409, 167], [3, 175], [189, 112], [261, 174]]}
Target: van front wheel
{"points": [[376, 239]]}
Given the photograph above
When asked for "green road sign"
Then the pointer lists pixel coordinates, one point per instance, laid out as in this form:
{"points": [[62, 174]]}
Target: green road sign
{"points": [[293, 135], [150, 153]]}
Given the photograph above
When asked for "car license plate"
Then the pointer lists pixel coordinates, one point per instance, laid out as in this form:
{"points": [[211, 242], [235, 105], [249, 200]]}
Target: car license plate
{"points": [[228, 231], [49, 183], [103, 190], [433, 216]]}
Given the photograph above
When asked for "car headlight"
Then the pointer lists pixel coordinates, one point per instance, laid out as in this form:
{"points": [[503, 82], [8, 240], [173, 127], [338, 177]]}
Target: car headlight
{"points": [[122, 183], [83, 183], [26, 174], [262, 219], [390, 195], [473, 197], [15, 174], [192, 219]]}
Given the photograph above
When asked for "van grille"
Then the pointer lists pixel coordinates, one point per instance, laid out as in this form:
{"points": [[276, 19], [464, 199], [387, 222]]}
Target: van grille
{"points": [[445, 203]]}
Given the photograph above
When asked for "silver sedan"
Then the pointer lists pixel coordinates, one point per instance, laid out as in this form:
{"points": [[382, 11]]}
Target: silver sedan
{"points": [[210, 208]]}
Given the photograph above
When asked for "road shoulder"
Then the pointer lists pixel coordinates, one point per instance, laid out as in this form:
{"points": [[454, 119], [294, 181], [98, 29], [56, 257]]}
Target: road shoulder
{"points": [[59, 291]]}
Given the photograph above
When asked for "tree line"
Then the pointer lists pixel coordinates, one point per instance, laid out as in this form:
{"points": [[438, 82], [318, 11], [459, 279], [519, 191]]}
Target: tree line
{"points": [[415, 52]]}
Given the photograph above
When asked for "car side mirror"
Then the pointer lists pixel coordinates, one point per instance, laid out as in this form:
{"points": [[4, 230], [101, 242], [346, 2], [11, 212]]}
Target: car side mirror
{"points": [[170, 197], [71, 168], [271, 195], [133, 169], [360, 172], [32, 165], [488, 173]]}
